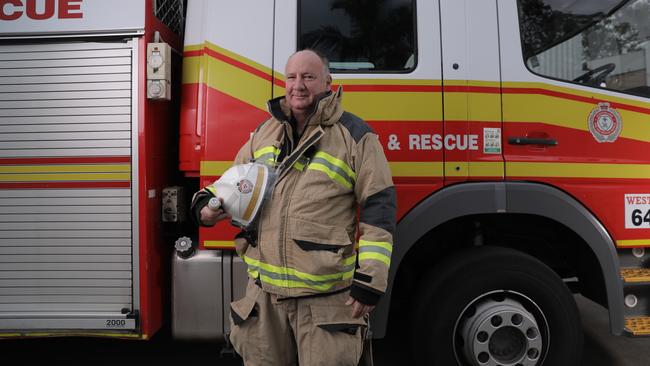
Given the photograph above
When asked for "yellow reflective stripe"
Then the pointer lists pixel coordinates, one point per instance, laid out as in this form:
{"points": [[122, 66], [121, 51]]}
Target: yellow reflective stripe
{"points": [[381, 244], [334, 168], [287, 271], [376, 256], [266, 150], [331, 174], [350, 260], [211, 189], [377, 250], [253, 273], [295, 284], [299, 166], [337, 163]]}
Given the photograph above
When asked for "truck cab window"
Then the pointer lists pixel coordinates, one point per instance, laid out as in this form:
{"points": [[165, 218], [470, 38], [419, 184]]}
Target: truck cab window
{"points": [[360, 35], [603, 44]]}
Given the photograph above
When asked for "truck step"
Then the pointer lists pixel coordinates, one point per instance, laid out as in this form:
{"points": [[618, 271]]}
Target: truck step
{"points": [[638, 326], [635, 275]]}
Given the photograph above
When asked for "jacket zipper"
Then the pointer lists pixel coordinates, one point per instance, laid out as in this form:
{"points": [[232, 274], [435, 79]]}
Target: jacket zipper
{"points": [[313, 138]]}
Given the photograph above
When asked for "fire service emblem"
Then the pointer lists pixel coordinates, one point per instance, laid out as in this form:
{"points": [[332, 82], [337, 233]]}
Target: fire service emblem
{"points": [[245, 186], [605, 123]]}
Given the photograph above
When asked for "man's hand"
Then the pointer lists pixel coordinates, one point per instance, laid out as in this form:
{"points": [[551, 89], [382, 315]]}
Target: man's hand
{"points": [[210, 217], [359, 309]]}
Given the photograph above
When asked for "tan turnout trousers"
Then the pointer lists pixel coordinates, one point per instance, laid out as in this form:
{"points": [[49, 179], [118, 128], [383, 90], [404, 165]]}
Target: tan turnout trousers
{"points": [[310, 331]]}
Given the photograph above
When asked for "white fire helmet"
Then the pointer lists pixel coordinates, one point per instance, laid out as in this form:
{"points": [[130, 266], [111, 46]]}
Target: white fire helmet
{"points": [[243, 189]]}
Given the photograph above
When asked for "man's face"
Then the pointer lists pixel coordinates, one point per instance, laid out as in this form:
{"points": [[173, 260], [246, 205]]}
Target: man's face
{"points": [[305, 81]]}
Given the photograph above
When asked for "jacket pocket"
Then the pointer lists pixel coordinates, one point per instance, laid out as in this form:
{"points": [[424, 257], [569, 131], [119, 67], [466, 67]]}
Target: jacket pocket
{"points": [[310, 245], [325, 252], [309, 235]]}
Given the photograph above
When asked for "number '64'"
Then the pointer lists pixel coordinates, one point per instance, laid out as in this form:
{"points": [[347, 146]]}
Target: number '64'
{"points": [[638, 220]]}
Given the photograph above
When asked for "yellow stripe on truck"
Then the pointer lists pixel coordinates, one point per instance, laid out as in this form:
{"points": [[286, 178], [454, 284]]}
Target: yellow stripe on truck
{"points": [[578, 170], [474, 169], [237, 83], [219, 244], [65, 177], [65, 168], [633, 243], [416, 169], [214, 168], [560, 110], [394, 106], [227, 78], [589, 93], [491, 169]]}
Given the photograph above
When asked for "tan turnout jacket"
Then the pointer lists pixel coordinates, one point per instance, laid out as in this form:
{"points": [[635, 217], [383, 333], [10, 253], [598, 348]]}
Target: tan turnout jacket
{"points": [[307, 233]]}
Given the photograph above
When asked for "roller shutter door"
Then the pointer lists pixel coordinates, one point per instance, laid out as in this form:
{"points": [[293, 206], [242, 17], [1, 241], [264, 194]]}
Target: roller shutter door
{"points": [[66, 217]]}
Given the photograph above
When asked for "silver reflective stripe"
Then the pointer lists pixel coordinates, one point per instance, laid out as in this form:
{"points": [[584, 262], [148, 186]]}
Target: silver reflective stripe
{"points": [[374, 249], [333, 168], [290, 278], [266, 157], [287, 277]]}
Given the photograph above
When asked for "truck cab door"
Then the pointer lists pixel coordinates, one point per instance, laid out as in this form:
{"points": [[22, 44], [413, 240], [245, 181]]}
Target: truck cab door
{"points": [[386, 57], [576, 101], [227, 72], [472, 91]]}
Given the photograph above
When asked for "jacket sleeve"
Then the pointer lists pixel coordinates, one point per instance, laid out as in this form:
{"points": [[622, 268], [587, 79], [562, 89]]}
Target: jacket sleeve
{"points": [[201, 198], [375, 194]]}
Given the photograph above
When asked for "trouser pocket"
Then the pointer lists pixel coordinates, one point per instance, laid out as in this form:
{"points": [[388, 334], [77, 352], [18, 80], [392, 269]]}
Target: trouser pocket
{"points": [[243, 322], [336, 337]]}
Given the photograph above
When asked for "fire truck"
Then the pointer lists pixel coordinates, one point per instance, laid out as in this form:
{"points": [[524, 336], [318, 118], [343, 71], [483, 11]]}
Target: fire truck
{"points": [[516, 132]]}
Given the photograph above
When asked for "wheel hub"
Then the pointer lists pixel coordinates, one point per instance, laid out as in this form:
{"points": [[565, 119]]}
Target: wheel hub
{"points": [[499, 332]]}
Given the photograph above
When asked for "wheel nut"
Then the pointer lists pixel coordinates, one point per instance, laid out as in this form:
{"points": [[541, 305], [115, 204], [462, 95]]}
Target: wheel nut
{"points": [[482, 337], [483, 357], [496, 321], [533, 353], [531, 333]]}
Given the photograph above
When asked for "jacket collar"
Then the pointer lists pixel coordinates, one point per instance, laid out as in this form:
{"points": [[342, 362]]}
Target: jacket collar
{"points": [[328, 109]]}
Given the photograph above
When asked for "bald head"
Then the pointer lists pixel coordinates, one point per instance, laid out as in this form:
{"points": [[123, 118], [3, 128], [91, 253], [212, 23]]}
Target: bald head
{"points": [[307, 77], [309, 53]]}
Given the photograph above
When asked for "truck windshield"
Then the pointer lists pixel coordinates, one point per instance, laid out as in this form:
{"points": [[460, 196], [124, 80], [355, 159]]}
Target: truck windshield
{"points": [[600, 43], [545, 23]]}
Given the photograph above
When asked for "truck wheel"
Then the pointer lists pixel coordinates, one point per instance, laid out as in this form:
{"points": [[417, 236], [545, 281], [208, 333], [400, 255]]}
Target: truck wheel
{"points": [[493, 306]]}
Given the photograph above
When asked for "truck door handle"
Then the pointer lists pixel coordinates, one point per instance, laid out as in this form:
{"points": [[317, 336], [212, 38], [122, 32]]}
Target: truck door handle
{"points": [[532, 141]]}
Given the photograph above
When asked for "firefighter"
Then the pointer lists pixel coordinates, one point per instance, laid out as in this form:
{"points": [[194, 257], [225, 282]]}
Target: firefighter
{"points": [[311, 283]]}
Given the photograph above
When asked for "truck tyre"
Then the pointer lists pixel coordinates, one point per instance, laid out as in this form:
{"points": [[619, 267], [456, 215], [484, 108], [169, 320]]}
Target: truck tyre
{"points": [[495, 306]]}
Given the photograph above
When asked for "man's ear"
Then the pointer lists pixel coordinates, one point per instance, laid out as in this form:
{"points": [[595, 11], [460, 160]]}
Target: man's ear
{"points": [[329, 82]]}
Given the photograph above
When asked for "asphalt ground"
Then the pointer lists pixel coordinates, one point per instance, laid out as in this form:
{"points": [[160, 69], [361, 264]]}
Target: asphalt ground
{"points": [[601, 349]]}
